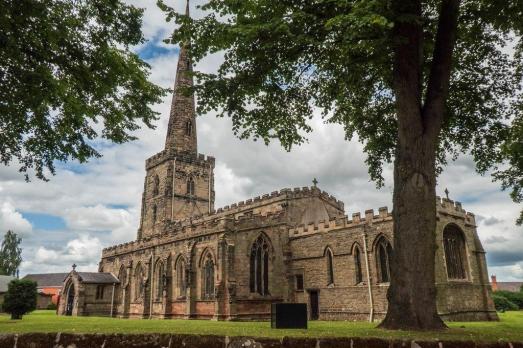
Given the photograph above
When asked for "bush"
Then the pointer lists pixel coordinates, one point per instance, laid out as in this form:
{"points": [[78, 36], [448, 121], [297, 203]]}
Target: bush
{"points": [[51, 306], [503, 304], [20, 298], [514, 297]]}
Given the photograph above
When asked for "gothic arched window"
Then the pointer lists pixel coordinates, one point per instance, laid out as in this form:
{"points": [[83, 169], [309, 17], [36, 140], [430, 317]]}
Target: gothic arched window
{"points": [[188, 128], [190, 186], [208, 278], [160, 280], [259, 266], [455, 253], [383, 255], [139, 286], [156, 185], [330, 268], [357, 265], [180, 278]]}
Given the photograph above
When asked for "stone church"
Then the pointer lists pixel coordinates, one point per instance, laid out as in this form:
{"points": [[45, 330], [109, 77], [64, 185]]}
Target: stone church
{"points": [[190, 260]]}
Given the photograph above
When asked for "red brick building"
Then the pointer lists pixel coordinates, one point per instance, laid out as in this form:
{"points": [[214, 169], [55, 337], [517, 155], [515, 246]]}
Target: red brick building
{"points": [[49, 284]]}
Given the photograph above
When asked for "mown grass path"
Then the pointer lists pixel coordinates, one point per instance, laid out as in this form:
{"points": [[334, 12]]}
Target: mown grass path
{"points": [[510, 328]]}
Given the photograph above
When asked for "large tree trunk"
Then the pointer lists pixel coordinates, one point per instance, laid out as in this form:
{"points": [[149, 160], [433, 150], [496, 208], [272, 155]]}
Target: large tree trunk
{"points": [[412, 291]]}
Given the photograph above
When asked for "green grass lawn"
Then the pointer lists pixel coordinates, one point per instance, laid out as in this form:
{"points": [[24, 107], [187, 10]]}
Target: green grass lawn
{"points": [[510, 328]]}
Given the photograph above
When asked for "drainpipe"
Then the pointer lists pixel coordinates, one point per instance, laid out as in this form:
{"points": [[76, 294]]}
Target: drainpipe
{"points": [[371, 299], [112, 300]]}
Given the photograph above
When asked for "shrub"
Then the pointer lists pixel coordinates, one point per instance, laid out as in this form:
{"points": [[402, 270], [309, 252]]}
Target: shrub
{"points": [[20, 298], [51, 306], [514, 297], [503, 304]]}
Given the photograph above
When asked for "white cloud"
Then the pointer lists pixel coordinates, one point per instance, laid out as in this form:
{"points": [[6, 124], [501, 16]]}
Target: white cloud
{"points": [[82, 250], [10, 219], [85, 196]]}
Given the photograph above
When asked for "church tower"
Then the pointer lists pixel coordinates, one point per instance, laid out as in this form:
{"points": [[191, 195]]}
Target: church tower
{"points": [[179, 183]]}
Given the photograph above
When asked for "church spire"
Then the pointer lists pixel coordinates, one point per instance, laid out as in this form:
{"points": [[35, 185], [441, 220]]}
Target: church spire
{"points": [[181, 132]]}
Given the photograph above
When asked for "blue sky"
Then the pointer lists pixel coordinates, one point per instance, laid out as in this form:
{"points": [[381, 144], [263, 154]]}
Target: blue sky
{"points": [[90, 206]]}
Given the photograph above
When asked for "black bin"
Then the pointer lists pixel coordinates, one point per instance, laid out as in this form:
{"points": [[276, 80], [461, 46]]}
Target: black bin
{"points": [[289, 316]]}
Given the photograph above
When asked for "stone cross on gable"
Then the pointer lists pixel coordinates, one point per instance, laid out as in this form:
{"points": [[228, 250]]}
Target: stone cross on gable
{"points": [[315, 182], [447, 192], [74, 266]]}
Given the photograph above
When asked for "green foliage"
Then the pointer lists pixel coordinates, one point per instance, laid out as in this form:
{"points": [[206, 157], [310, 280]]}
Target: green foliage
{"points": [[67, 76], [503, 304], [20, 298], [514, 297], [10, 254], [284, 59], [51, 306]]}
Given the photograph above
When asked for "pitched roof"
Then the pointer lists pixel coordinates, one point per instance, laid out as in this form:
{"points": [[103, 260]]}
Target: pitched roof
{"points": [[98, 277], [4, 280], [47, 280], [509, 286]]}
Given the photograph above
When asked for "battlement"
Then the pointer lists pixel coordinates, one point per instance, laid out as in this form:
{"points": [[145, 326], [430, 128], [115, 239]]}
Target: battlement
{"points": [[170, 154], [369, 217], [195, 227], [447, 206]]}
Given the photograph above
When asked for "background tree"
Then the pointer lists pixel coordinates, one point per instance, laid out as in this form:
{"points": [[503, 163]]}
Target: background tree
{"points": [[10, 254], [67, 76], [20, 298], [419, 82]]}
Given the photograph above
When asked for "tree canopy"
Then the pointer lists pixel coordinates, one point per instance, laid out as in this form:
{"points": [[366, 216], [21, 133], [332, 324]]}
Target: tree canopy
{"points": [[418, 82], [282, 59], [10, 254], [20, 298], [68, 76]]}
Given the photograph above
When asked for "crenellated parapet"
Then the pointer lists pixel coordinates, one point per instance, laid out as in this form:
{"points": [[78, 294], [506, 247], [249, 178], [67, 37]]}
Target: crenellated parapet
{"points": [[446, 206], [170, 154], [369, 217], [197, 227]]}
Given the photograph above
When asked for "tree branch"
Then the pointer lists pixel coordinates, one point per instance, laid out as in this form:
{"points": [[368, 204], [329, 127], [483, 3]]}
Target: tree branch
{"points": [[407, 68], [439, 79]]}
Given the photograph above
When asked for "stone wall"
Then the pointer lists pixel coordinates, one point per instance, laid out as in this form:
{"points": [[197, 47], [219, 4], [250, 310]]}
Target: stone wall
{"points": [[43, 340]]}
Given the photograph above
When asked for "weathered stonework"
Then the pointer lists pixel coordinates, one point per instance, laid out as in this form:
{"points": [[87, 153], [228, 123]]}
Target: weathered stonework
{"points": [[192, 261]]}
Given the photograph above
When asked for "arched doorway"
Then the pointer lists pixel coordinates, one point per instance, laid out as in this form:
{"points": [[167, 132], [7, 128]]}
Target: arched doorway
{"points": [[69, 304]]}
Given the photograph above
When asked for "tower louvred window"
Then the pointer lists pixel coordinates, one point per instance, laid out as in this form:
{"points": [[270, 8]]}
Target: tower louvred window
{"points": [[156, 185]]}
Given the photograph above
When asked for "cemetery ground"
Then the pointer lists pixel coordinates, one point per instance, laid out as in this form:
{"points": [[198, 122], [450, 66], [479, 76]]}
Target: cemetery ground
{"points": [[509, 328]]}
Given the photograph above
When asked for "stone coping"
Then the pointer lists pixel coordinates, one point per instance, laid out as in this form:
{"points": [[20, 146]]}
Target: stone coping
{"points": [[58, 340]]}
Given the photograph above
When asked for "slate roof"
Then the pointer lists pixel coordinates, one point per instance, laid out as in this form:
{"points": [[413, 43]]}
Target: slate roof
{"points": [[98, 277], [4, 280], [509, 286], [47, 280]]}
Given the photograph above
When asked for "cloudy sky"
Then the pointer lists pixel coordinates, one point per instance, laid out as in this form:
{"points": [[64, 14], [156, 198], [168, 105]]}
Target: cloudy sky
{"points": [[87, 207]]}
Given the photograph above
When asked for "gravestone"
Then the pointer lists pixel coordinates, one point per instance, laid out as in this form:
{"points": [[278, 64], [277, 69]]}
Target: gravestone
{"points": [[289, 316]]}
